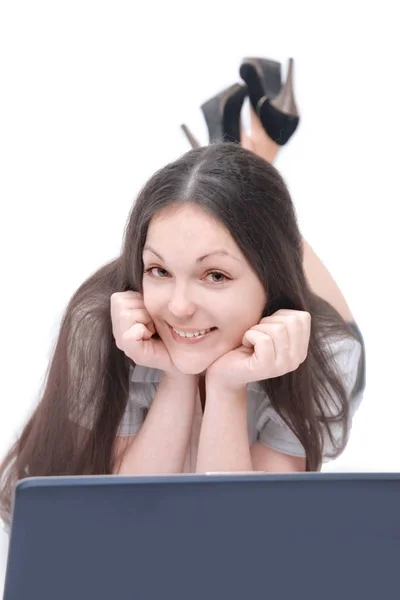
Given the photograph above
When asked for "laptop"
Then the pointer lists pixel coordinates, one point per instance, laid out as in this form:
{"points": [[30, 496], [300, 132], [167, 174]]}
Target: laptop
{"points": [[317, 536]]}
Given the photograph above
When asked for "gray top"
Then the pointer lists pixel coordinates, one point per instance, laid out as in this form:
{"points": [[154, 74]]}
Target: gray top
{"points": [[264, 424]]}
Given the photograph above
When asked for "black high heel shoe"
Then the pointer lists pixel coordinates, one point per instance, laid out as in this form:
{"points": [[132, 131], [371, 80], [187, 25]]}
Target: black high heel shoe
{"points": [[273, 102], [222, 116], [190, 137], [263, 78]]}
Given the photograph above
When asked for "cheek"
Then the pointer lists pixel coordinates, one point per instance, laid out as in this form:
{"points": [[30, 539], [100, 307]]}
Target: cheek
{"points": [[240, 315], [236, 329], [233, 325], [151, 299], [244, 309]]}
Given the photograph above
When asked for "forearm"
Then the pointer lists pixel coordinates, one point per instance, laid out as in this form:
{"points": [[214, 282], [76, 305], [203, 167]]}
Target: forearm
{"points": [[224, 441], [161, 444]]}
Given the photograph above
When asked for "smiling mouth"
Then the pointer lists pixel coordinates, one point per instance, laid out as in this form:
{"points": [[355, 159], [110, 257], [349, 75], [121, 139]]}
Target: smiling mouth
{"points": [[192, 336]]}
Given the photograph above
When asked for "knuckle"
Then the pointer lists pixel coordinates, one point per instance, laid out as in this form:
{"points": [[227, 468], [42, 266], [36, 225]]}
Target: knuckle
{"points": [[135, 295], [140, 315], [293, 320], [125, 298], [125, 314], [115, 298]]}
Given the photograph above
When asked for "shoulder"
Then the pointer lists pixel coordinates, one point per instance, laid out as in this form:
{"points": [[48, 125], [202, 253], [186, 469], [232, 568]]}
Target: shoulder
{"points": [[342, 347], [347, 355], [143, 383], [139, 374]]}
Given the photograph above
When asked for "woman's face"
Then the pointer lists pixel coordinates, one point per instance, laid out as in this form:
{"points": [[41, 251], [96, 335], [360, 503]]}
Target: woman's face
{"points": [[197, 287]]}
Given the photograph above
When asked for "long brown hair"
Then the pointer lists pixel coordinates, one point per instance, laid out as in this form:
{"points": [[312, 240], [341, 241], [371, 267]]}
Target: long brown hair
{"points": [[88, 378]]}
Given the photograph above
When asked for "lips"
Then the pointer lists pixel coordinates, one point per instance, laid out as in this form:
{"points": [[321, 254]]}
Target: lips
{"points": [[193, 337], [190, 334]]}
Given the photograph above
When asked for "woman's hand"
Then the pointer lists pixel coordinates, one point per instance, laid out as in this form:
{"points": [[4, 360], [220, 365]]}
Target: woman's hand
{"points": [[133, 330], [274, 347]]}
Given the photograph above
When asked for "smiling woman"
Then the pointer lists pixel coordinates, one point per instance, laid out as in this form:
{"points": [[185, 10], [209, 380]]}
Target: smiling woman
{"points": [[182, 295], [202, 346]]}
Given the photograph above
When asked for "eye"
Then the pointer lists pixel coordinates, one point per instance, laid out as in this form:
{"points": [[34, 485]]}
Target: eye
{"points": [[156, 272], [217, 277]]}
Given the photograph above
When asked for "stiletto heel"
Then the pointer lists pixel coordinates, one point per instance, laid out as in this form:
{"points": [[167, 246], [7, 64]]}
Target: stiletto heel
{"points": [[285, 102], [190, 137], [277, 112], [222, 114], [263, 78]]}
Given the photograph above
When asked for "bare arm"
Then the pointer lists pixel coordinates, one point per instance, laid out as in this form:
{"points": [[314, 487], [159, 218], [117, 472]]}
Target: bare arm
{"points": [[272, 461], [224, 442], [161, 444]]}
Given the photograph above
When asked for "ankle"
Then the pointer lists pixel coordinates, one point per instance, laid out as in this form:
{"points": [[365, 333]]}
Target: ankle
{"points": [[269, 150], [263, 146], [261, 143]]}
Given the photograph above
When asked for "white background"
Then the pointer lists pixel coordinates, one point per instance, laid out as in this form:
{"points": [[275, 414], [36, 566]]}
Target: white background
{"points": [[91, 98]]}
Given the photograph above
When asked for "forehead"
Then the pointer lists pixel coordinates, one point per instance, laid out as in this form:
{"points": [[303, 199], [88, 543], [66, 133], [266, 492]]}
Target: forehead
{"points": [[188, 224]]}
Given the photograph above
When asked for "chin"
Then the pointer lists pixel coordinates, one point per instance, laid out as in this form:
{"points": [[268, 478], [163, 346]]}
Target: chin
{"points": [[192, 367]]}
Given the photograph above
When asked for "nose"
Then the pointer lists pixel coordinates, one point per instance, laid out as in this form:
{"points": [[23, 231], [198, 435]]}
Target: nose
{"points": [[180, 304]]}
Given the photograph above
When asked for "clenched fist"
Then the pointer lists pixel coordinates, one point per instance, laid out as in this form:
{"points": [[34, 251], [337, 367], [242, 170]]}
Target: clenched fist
{"points": [[135, 334], [274, 347]]}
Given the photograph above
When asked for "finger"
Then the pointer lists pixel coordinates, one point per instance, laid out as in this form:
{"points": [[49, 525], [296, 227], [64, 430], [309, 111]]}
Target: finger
{"points": [[306, 320], [129, 298], [298, 323], [278, 332], [247, 340], [294, 334], [142, 316], [299, 327], [130, 316], [131, 295], [263, 345], [283, 312], [150, 326], [138, 332]]}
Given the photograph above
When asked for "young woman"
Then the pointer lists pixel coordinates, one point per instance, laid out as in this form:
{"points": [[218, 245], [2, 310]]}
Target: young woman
{"points": [[202, 346], [274, 118]]}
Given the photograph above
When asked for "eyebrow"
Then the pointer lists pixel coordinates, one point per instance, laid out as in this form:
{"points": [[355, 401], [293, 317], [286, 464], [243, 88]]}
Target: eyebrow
{"points": [[199, 260]]}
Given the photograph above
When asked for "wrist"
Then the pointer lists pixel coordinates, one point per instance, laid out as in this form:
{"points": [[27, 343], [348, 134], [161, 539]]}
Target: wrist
{"points": [[218, 385], [181, 378]]}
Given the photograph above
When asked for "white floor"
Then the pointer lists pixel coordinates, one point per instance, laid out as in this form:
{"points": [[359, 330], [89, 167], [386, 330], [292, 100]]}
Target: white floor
{"points": [[80, 136]]}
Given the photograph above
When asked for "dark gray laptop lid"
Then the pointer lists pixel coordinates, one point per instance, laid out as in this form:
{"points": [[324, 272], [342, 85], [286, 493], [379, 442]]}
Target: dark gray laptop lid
{"points": [[315, 536]]}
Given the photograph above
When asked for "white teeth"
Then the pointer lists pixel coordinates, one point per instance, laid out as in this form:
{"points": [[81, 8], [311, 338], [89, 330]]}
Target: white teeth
{"points": [[192, 333]]}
